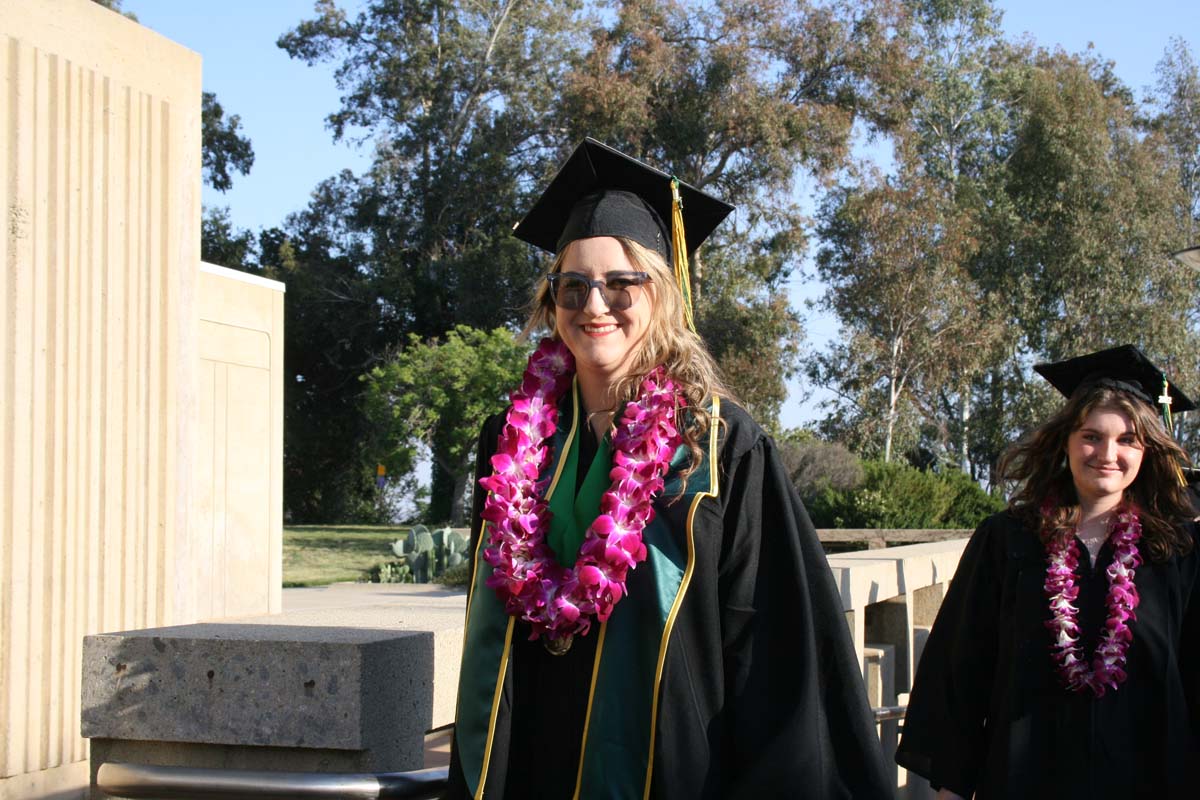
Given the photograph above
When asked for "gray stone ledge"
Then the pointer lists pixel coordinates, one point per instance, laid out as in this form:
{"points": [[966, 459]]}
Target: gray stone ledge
{"points": [[269, 685]]}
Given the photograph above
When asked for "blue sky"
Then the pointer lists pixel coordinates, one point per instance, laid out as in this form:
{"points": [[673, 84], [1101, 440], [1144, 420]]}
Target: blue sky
{"points": [[283, 103]]}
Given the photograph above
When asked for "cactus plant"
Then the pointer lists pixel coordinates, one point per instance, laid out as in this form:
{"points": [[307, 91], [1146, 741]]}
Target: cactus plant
{"points": [[413, 532], [420, 566]]}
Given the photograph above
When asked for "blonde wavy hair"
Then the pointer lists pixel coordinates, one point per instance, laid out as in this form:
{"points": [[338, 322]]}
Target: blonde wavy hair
{"points": [[668, 341], [1046, 500]]}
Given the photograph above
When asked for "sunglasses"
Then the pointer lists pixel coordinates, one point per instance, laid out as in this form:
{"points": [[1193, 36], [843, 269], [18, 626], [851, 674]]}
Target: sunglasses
{"points": [[618, 290]]}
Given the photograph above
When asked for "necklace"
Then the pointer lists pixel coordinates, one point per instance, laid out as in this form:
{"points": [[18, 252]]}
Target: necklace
{"points": [[559, 602], [1108, 662]]}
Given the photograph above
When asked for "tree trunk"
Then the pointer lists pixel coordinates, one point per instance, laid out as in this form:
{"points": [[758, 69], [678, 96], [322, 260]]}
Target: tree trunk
{"points": [[891, 421], [458, 511], [441, 494]]}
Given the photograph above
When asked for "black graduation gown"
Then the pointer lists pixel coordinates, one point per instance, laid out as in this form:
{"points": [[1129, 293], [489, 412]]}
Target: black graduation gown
{"points": [[988, 714], [761, 693]]}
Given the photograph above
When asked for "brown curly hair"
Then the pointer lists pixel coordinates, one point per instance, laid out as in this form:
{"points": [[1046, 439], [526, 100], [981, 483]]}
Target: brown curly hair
{"points": [[1038, 463]]}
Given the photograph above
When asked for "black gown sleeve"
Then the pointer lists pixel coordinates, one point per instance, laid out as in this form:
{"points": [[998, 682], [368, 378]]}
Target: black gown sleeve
{"points": [[488, 436], [944, 737], [1189, 648], [798, 721]]}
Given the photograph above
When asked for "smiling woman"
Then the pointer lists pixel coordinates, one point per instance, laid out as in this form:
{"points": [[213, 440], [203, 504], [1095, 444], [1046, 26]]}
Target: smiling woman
{"points": [[650, 613], [1065, 660], [603, 335], [1104, 454]]}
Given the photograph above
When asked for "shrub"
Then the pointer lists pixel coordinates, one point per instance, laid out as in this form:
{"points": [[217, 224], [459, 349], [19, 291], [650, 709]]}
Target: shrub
{"points": [[896, 495], [456, 576], [814, 465]]}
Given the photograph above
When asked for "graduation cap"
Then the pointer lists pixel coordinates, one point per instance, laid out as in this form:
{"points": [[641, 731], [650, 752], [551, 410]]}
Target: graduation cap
{"points": [[1125, 368], [600, 191]]}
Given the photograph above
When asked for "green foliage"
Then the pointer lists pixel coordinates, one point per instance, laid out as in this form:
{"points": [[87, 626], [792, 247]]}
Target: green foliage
{"points": [[1175, 109], [223, 148], [115, 5], [740, 98], [223, 244], [334, 327], [1038, 205], [893, 258], [458, 100], [424, 556], [896, 495], [456, 577], [457, 97], [436, 396], [390, 572], [1029, 215]]}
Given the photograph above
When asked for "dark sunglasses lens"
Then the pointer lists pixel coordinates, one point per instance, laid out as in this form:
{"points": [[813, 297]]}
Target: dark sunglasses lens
{"points": [[620, 295], [570, 293]]}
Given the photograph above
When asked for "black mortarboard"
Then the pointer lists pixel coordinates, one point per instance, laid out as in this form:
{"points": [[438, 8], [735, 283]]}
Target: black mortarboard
{"points": [[1125, 368], [600, 191]]}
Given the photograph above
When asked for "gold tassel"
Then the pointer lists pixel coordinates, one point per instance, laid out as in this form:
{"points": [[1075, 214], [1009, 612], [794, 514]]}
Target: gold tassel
{"points": [[679, 249]]}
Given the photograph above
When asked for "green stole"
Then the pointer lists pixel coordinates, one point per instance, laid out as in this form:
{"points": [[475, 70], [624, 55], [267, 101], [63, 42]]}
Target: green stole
{"points": [[618, 736], [573, 514]]}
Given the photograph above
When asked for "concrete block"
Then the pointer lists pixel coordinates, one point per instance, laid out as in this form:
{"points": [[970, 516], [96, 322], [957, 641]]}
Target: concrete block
{"points": [[887, 622], [926, 602], [409, 607], [263, 686], [881, 688]]}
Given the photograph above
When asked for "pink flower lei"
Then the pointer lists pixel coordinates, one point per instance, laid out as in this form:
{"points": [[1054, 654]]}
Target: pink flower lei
{"points": [[1108, 662], [556, 601]]}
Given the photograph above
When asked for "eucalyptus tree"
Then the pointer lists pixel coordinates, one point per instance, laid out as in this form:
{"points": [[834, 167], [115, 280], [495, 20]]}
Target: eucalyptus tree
{"points": [[884, 274], [1092, 199], [960, 116], [1175, 112], [744, 100], [893, 254]]}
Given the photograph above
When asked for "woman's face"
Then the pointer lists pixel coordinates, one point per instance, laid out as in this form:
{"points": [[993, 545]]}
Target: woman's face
{"points": [[603, 340], [1104, 454]]}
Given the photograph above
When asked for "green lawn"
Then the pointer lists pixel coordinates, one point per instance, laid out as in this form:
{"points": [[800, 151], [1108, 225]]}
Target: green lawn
{"points": [[314, 555]]}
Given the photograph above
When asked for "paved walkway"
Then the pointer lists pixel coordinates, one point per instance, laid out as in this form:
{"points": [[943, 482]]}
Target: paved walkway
{"points": [[346, 595]]}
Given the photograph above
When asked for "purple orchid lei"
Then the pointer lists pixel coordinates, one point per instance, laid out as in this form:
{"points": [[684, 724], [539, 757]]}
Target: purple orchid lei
{"points": [[1108, 662], [559, 602]]}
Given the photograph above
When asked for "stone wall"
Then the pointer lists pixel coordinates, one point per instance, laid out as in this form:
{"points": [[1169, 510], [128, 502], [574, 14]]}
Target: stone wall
{"points": [[237, 499], [140, 398], [100, 194]]}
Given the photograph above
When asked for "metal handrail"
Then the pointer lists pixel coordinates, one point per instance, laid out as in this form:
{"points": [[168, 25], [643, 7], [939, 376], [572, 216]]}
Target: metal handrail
{"points": [[886, 713], [199, 783]]}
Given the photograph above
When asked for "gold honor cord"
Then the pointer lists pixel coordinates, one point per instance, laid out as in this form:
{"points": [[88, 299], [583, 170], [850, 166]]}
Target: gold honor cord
{"points": [[679, 250], [1164, 401]]}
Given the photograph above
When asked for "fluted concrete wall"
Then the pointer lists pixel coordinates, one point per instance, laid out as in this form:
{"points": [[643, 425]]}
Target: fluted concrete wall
{"points": [[99, 189]]}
